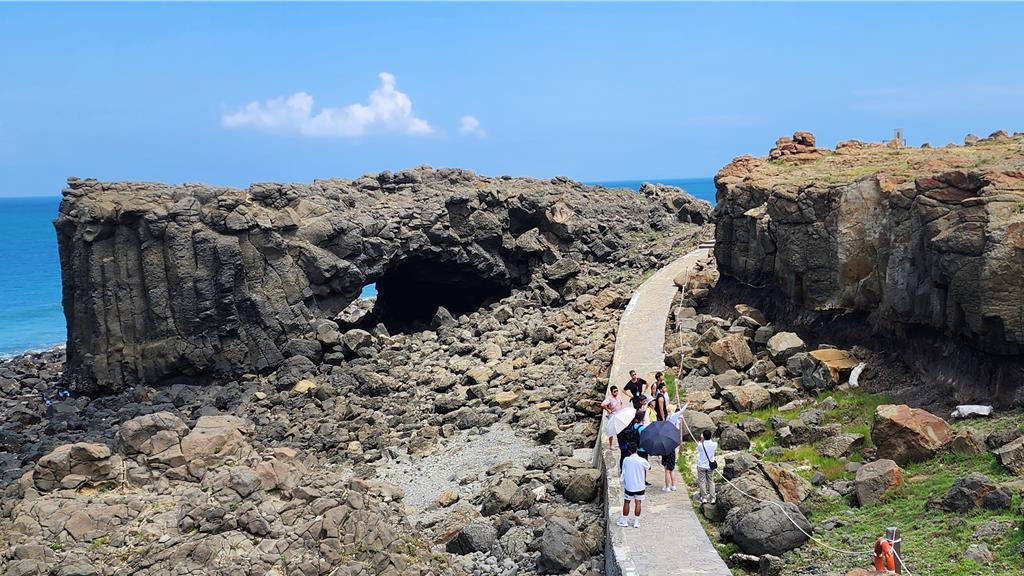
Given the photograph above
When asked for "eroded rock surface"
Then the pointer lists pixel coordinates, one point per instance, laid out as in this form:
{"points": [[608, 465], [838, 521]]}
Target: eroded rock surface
{"points": [[928, 242], [163, 282]]}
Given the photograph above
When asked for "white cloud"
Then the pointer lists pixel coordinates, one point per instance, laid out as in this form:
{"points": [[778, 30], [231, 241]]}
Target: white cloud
{"points": [[388, 110], [470, 125]]}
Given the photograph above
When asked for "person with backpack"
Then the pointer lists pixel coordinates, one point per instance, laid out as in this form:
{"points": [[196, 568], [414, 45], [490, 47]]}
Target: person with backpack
{"points": [[640, 422], [706, 468], [627, 437]]}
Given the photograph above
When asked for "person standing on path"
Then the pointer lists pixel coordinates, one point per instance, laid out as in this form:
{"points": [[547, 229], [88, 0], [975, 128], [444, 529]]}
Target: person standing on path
{"points": [[635, 387], [638, 425], [705, 468], [634, 468], [661, 402], [627, 437], [611, 403]]}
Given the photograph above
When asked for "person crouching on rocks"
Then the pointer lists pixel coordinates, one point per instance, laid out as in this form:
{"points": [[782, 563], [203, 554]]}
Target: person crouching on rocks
{"points": [[611, 403], [634, 468]]}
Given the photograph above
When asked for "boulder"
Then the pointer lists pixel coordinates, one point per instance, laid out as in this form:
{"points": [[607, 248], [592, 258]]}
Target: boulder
{"points": [[748, 397], [730, 352], [907, 435], [876, 479], [497, 497], [735, 494], [839, 363], [215, 440], [770, 528], [971, 492], [783, 345], [157, 435], [74, 465], [732, 438], [696, 423], [1011, 456], [790, 485], [737, 464], [584, 485], [474, 537], [840, 445], [967, 441], [979, 553], [562, 548], [356, 338]]}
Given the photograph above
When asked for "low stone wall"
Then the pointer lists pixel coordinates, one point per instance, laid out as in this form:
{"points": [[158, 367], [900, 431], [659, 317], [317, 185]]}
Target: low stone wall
{"points": [[617, 558]]}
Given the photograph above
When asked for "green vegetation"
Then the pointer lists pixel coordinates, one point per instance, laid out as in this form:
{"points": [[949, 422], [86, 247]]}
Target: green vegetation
{"points": [[933, 540], [99, 543]]}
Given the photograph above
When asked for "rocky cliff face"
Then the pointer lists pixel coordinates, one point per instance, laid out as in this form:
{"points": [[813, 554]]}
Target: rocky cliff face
{"points": [[163, 282], [929, 242]]}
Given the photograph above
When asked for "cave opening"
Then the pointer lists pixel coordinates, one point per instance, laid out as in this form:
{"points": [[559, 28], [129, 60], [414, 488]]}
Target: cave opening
{"points": [[409, 294]]}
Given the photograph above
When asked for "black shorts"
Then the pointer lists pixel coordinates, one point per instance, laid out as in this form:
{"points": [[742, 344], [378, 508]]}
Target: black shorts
{"points": [[639, 495], [669, 461]]}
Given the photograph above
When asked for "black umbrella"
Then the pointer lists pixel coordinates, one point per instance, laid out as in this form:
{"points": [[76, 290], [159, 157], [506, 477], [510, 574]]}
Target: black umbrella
{"points": [[660, 438]]}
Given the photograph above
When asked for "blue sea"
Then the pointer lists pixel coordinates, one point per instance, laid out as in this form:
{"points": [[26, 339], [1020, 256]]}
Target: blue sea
{"points": [[31, 316], [30, 310]]}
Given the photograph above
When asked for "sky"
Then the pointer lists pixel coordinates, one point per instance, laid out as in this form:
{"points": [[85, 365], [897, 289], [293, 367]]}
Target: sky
{"points": [[231, 94]]}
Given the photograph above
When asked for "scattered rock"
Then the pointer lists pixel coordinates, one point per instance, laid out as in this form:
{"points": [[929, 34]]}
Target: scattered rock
{"points": [[875, 480], [906, 435], [970, 492], [766, 529]]}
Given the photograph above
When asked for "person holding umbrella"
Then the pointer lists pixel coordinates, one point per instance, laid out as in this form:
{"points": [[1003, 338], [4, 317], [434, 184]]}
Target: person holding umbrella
{"points": [[662, 438]]}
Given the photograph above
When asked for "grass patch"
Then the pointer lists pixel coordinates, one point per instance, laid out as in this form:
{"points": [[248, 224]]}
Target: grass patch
{"points": [[933, 540], [832, 468], [99, 543]]}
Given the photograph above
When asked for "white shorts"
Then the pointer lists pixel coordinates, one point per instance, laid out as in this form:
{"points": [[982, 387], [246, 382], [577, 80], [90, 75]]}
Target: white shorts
{"points": [[638, 496]]}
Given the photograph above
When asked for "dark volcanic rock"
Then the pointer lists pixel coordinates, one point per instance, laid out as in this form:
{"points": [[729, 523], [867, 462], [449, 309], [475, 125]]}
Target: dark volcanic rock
{"points": [[928, 242], [164, 282]]}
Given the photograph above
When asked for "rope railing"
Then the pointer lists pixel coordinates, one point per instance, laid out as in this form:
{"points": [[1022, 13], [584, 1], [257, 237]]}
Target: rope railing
{"points": [[823, 544]]}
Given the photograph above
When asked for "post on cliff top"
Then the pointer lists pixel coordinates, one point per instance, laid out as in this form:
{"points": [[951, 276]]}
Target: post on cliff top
{"points": [[892, 534]]}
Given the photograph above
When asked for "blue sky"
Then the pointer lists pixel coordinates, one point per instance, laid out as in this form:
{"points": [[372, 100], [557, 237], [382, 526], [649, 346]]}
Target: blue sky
{"points": [[186, 93]]}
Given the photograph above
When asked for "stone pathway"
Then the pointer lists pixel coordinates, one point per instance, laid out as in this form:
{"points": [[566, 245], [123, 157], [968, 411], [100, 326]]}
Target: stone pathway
{"points": [[671, 540]]}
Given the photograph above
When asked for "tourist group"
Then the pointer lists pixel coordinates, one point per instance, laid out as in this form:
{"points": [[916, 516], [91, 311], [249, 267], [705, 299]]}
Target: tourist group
{"points": [[640, 425]]}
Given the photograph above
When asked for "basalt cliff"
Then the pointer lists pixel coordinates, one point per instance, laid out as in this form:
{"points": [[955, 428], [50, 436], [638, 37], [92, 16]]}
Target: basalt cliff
{"points": [[228, 405], [926, 244], [163, 283]]}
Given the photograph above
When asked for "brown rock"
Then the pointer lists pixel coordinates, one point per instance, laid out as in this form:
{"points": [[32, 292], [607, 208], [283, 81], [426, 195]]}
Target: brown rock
{"points": [[213, 441], [875, 479], [967, 441], [1011, 456], [748, 397], [907, 435], [730, 352], [793, 487]]}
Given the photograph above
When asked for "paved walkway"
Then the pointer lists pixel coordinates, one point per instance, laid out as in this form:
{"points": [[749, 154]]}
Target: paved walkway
{"points": [[671, 540]]}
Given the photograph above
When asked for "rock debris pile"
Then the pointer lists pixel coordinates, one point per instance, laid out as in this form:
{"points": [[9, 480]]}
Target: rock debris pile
{"points": [[256, 418]]}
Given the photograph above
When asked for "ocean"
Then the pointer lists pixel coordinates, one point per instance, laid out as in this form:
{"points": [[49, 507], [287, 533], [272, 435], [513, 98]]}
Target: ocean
{"points": [[30, 310], [31, 316]]}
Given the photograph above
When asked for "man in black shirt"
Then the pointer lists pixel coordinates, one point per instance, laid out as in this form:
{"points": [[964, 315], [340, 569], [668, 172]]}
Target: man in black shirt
{"points": [[635, 386]]}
